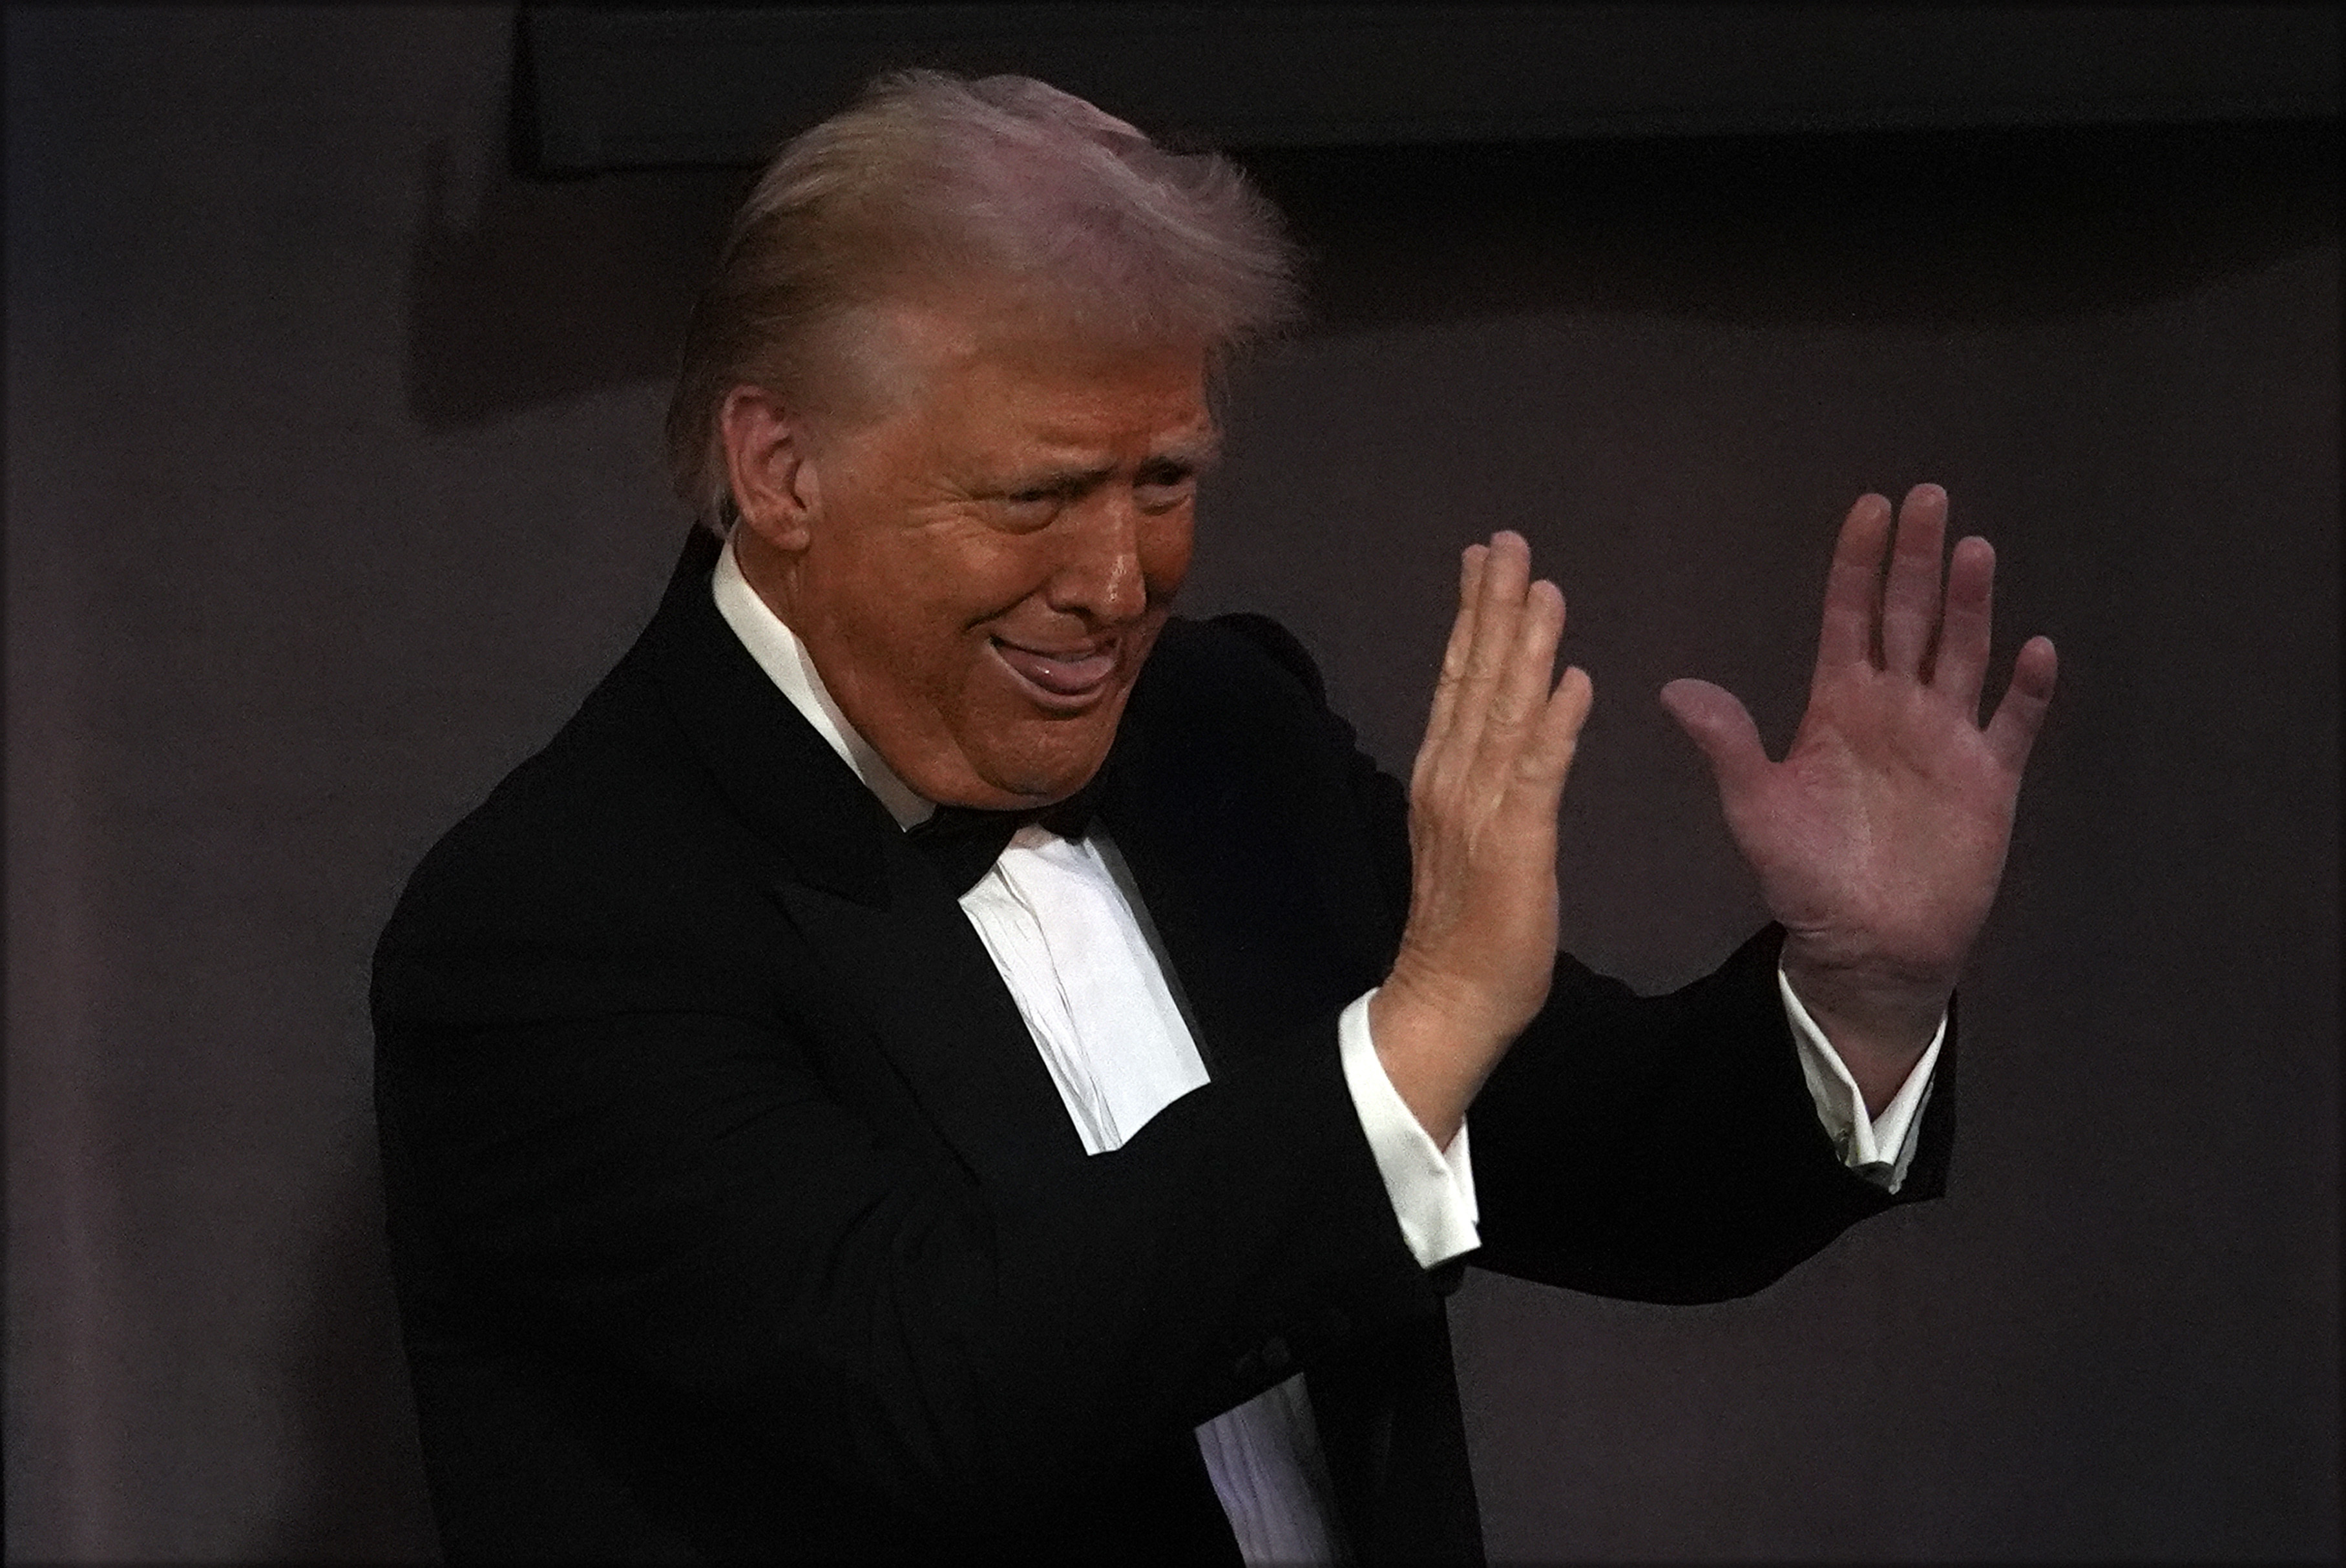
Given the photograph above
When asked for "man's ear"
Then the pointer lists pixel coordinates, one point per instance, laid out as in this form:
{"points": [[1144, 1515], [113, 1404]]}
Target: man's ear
{"points": [[767, 461]]}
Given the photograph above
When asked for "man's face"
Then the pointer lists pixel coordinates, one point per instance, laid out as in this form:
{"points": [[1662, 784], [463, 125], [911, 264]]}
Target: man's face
{"points": [[979, 573]]}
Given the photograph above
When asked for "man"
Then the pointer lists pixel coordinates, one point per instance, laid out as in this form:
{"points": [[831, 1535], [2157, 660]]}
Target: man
{"points": [[939, 1057]]}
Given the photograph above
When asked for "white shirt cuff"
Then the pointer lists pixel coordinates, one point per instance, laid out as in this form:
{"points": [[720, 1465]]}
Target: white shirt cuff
{"points": [[1876, 1147], [1431, 1189]]}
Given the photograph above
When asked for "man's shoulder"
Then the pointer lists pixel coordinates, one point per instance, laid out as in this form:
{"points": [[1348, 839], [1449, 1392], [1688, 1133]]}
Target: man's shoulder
{"points": [[644, 808], [1231, 675], [1239, 642], [1230, 719], [604, 770], [610, 843]]}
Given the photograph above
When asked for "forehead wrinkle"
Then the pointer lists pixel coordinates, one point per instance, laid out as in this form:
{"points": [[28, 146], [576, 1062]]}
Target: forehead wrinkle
{"points": [[1069, 441], [1193, 449]]}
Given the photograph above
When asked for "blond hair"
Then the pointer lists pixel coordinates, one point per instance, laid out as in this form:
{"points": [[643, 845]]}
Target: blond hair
{"points": [[931, 182]]}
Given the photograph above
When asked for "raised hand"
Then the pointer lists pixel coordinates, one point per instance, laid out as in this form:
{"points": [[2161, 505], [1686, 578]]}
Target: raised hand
{"points": [[1480, 944], [1880, 838]]}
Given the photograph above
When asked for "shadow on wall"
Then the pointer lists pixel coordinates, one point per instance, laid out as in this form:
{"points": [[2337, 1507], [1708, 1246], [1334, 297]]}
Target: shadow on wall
{"points": [[550, 288], [356, 1477], [546, 290]]}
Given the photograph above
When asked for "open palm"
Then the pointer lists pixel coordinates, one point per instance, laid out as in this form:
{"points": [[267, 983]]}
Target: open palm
{"points": [[1880, 838]]}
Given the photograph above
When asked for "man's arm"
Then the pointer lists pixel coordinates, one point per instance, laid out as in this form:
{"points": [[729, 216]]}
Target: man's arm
{"points": [[1879, 841], [1604, 1158], [683, 1202], [1666, 1149]]}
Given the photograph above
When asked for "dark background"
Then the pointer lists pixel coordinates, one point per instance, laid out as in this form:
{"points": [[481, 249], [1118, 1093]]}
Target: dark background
{"points": [[333, 485]]}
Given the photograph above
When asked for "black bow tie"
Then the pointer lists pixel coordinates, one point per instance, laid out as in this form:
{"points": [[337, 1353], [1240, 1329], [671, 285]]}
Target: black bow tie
{"points": [[964, 842]]}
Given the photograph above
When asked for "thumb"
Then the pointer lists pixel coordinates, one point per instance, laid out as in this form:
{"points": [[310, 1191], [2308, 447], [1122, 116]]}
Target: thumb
{"points": [[1715, 720]]}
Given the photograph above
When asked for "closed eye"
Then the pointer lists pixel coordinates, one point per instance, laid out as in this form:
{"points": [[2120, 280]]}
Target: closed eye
{"points": [[1163, 482], [1035, 505]]}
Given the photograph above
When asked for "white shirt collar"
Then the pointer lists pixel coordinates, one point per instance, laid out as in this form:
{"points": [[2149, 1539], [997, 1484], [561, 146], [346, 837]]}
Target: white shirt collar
{"points": [[785, 660]]}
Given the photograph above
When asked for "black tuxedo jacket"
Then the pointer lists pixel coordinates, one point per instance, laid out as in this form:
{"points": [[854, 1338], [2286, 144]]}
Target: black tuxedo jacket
{"points": [[734, 1212]]}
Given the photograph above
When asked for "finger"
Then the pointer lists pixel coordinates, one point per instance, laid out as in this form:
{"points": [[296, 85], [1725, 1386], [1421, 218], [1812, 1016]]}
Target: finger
{"points": [[1547, 761], [1524, 684], [1854, 587], [1960, 666], [2013, 731], [1498, 613], [1454, 653], [1715, 720], [1909, 598]]}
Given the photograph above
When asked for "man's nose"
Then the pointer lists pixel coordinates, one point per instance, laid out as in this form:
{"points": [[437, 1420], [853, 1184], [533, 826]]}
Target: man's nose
{"points": [[1098, 575]]}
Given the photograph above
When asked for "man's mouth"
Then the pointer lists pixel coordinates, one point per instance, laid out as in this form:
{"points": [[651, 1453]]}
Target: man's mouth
{"points": [[1063, 679]]}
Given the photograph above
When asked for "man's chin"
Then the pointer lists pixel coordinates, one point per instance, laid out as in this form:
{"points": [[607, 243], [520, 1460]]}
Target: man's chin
{"points": [[1028, 780], [1024, 792], [1029, 758]]}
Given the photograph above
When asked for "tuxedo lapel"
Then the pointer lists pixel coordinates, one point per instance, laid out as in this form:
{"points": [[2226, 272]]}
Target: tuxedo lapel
{"points": [[925, 984], [908, 969]]}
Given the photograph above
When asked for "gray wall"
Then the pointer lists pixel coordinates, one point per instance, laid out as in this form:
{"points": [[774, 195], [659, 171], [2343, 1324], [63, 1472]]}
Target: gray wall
{"points": [[331, 485]]}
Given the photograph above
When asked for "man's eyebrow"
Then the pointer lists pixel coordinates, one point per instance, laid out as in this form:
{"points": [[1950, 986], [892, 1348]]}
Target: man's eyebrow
{"points": [[1196, 451], [1185, 455], [1066, 483]]}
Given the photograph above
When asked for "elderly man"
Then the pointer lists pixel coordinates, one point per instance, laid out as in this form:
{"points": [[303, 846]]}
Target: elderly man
{"points": [[939, 1057]]}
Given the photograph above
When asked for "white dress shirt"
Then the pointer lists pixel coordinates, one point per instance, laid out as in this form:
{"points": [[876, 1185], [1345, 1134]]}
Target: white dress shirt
{"points": [[1069, 934]]}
